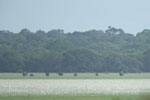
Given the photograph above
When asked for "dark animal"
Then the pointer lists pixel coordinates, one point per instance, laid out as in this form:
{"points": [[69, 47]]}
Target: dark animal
{"points": [[75, 74], [24, 74], [121, 73], [96, 74], [31, 75], [47, 74], [60, 73]]}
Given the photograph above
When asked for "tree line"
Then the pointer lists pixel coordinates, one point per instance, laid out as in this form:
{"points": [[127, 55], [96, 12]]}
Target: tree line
{"points": [[112, 50]]}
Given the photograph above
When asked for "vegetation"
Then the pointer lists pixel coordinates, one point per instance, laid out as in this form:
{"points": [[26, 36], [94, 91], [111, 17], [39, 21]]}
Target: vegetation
{"points": [[95, 51], [80, 97], [79, 76]]}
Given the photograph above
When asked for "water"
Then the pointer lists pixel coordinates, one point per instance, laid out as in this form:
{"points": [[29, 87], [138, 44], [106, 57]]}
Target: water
{"points": [[73, 86]]}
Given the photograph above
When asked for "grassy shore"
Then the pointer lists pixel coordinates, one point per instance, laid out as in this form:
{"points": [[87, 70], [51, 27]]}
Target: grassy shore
{"points": [[80, 97], [79, 76]]}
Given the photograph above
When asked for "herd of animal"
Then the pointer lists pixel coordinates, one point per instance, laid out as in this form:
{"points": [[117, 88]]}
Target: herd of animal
{"points": [[48, 74], [61, 74]]}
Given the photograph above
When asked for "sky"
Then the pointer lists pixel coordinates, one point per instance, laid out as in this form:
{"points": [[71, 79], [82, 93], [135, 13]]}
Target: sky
{"points": [[74, 15]]}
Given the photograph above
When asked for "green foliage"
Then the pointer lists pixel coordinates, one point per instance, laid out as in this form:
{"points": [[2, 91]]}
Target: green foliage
{"points": [[89, 51], [142, 96], [81, 60]]}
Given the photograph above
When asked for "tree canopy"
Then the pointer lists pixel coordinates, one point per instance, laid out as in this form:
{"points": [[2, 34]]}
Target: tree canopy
{"points": [[112, 50]]}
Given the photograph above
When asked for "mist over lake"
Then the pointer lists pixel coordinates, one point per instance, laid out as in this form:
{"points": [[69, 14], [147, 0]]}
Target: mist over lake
{"points": [[76, 87]]}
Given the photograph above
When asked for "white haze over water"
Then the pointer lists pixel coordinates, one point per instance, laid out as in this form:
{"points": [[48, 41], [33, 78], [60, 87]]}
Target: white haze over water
{"points": [[75, 87]]}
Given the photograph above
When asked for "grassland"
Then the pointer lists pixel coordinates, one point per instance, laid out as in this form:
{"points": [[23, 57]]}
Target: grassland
{"points": [[80, 76], [80, 97]]}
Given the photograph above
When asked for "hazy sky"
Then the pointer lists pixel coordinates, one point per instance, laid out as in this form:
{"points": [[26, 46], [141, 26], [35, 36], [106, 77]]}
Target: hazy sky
{"points": [[74, 15]]}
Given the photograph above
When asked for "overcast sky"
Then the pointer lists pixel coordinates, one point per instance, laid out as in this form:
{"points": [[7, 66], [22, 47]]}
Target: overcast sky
{"points": [[74, 15]]}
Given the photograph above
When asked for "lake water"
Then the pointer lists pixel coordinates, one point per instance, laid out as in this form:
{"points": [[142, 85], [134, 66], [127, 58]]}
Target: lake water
{"points": [[73, 86]]}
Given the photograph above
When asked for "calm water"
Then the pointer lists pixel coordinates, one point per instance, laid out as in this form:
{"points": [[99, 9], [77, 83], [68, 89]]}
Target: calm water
{"points": [[70, 86]]}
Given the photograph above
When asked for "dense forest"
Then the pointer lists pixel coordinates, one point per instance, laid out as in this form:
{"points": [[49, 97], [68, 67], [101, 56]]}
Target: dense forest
{"points": [[111, 50]]}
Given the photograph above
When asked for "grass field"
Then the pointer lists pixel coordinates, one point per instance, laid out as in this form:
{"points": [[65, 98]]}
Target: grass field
{"points": [[80, 97], [80, 76]]}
